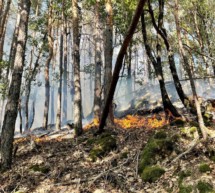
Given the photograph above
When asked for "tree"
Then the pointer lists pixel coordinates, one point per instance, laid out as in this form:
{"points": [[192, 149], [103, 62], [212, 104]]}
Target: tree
{"points": [[98, 62], [14, 89], [108, 54], [119, 62], [163, 34], [4, 11], [47, 82], [169, 109], [187, 67], [76, 68]]}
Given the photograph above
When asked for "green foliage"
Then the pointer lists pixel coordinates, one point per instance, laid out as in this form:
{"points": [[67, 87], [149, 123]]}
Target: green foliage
{"points": [[182, 175], [40, 168], [189, 131], [152, 173], [204, 168], [157, 148], [101, 146], [185, 189], [204, 187]]}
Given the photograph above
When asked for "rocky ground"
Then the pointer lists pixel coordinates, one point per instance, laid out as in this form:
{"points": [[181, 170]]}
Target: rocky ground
{"points": [[63, 164]]}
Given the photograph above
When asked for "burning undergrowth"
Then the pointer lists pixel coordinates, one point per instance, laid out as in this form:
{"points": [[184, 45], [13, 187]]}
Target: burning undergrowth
{"points": [[136, 121]]}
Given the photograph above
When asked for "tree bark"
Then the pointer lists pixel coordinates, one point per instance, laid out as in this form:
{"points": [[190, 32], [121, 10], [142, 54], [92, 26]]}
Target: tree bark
{"points": [[169, 109], [14, 89], [119, 63], [65, 77], [108, 55], [47, 82], [59, 94], [76, 69], [98, 63], [162, 32]]}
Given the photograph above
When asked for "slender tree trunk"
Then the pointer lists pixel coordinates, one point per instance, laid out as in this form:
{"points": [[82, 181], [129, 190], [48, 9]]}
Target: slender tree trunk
{"points": [[76, 68], [65, 77], [3, 23], [187, 67], [169, 109], [14, 89], [59, 97], [98, 63], [47, 82], [119, 63], [13, 45], [108, 55], [162, 32]]}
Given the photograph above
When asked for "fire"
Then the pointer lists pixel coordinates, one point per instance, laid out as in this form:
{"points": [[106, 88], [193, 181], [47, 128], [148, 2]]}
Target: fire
{"points": [[130, 122], [134, 121]]}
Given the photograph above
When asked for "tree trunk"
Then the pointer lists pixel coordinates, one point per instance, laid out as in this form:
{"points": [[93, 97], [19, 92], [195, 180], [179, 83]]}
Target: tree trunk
{"points": [[65, 53], [119, 63], [3, 23], [59, 94], [169, 109], [98, 63], [76, 69], [187, 68], [14, 89], [47, 82], [108, 55], [162, 32]]}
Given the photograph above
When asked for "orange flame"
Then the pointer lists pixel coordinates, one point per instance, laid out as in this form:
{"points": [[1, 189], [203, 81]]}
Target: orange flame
{"points": [[134, 121]]}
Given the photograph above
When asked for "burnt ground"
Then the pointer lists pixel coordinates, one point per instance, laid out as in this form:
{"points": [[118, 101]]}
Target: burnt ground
{"points": [[67, 168]]}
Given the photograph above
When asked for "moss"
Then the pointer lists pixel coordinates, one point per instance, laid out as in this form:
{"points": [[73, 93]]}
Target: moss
{"points": [[124, 155], [182, 175], [204, 168], [155, 147], [212, 158], [193, 130], [194, 124], [40, 168], [204, 187], [178, 122], [189, 132], [160, 135], [185, 189], [152, 173], [102, 146]]}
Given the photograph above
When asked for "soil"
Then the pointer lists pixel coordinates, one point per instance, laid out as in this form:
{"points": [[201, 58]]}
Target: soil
{"points": [[63, 165]]}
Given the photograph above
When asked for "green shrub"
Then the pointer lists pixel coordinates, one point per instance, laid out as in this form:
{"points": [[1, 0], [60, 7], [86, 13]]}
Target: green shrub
{"points": [[102, 146], [152, 173], [204, 168], [185, 189], [204, 187]]}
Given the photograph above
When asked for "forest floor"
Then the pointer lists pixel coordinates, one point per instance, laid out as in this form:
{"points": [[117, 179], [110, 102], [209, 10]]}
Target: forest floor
{"points": [[60, 165]]}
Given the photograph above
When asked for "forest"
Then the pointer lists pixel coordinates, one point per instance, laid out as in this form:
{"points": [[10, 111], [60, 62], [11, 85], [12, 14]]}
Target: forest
{"points": [[107, 96]]}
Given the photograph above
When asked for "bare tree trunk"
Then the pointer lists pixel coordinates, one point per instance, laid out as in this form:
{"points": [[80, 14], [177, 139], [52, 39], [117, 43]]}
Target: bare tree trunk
{"points": [[169, 109], [59, 97], [14, 89], [187, 67], [65, 77], [98, 63], [3, 23], [47, 82], [76, 68], [13, 45], [108, 55], [162, 32], [119, 63]]}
